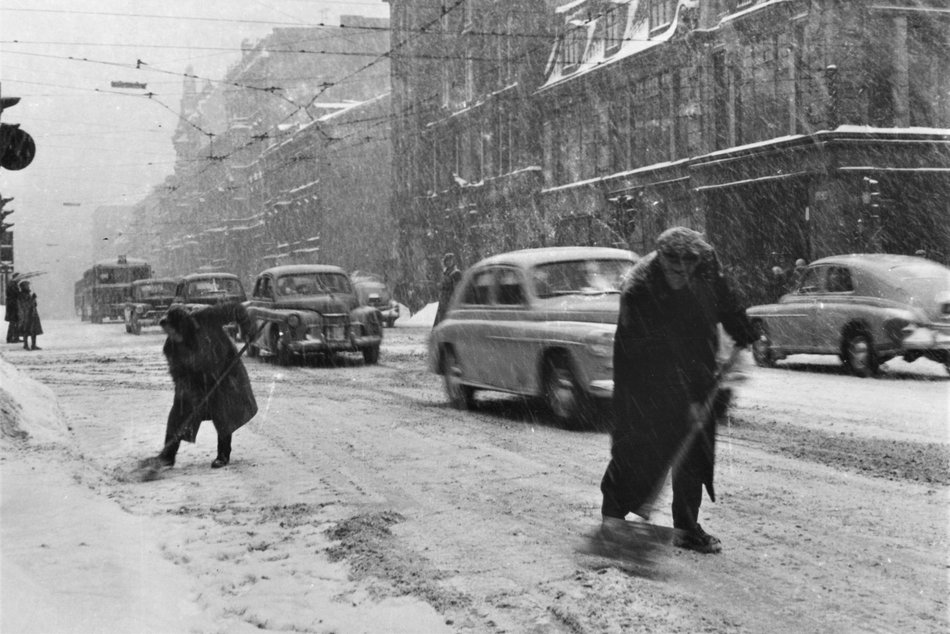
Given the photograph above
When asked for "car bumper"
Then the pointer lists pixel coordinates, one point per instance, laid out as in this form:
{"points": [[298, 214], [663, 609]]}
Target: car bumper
{"points": [[320, 346], [924, 339]]}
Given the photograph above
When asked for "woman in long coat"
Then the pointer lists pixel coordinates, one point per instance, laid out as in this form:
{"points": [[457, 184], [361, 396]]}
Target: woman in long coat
{"points": [[28, 317], [211, 382]]}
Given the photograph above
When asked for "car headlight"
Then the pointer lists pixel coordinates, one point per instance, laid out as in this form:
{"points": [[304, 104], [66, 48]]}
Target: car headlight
{"points": [[601, 345], [140, 309], [293, 320]]}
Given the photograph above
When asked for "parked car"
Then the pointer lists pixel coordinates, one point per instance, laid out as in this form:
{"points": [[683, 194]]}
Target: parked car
{"points": [[373, 291], [865, 308], [149, 301], [207, 289], [535, 322], [311, 309]]}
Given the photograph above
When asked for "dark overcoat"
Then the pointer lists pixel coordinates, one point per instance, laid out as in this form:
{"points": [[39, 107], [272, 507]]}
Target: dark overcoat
{"points": [[450, 279], [196, 364], [12, 300], [28, 317], [665, 360]]}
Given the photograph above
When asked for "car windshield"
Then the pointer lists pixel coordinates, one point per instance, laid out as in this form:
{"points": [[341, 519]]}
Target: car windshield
{"points": [[214, 286], [579, 276], [313, 284], [158, 289]]}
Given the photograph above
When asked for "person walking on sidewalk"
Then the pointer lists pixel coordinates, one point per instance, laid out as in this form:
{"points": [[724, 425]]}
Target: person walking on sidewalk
{"points": [[665, 370], [28, 316], [451, 276]]}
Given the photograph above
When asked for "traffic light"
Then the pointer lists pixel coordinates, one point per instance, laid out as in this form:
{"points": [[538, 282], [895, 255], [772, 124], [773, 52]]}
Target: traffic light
{"points": [[6, 235], [17, 148]]}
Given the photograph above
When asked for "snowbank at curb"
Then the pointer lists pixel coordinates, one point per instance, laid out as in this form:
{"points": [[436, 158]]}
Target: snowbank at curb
{"points": [[423, 318], [71, 560], [28, 408]]}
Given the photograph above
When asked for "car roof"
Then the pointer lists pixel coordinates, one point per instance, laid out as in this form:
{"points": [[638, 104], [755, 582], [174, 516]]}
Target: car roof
{"points": [[154, 280], [117, 262], [292, 269], [207, 276], [886, 263], [543, 255]]}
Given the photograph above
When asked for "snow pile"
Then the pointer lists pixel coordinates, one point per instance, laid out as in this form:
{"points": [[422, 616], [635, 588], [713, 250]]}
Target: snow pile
{"points": [[28, 408], [424, 317]]}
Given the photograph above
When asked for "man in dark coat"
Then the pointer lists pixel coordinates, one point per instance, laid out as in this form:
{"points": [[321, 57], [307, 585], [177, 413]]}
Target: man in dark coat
{"points": [[210, 379], [451, 276], [10, 314], [665, 383]]}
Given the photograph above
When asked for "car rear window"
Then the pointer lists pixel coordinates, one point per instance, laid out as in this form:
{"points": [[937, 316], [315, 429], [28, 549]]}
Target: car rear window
{"points": [[579, 276]]}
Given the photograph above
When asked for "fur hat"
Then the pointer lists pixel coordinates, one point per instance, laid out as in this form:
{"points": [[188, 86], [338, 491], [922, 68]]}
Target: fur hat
{"points": [[181, 321], [682, 242]]}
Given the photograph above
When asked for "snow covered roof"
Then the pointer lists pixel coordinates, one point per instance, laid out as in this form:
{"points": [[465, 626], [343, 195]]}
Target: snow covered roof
{"points": [[636, 39]]}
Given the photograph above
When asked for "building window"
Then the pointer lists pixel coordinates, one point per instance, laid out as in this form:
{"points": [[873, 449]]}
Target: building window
{"points": [[574, 44], [617, 134], [720, 89], [614, 25], [661, 13], [503, 139]]}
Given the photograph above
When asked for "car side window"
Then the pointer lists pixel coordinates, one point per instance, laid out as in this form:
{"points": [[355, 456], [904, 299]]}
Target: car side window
{"points": [[479, 291], [263, 288], [839, 280], [510, 289], [811, 281]]}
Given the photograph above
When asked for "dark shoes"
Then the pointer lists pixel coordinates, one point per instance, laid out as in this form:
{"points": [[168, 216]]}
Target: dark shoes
{"points": [[697, 540], [220, 461]]}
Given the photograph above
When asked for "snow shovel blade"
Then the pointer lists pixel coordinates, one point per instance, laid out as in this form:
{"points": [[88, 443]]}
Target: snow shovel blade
{"points": [[144, 471], [632, 542]]}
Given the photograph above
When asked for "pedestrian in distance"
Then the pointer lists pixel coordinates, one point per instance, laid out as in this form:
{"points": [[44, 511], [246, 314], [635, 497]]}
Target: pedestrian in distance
{"points": [[667, 394], [795, 279], [11, 308], [451, 276], [28, 316], [211, 382]]}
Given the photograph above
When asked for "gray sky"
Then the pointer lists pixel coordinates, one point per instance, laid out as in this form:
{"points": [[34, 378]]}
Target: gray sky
{"points": [[97, 145]]}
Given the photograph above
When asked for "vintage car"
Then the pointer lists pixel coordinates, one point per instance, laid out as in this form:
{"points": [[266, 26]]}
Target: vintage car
{"points": [[536, 322], [865, 308], [149, 301], [311, 309], [372, 291], [196, 290]]}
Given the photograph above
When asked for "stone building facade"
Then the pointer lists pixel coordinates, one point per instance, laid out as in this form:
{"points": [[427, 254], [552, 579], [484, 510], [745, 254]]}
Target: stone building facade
{"points": [[782, 128], [260, 154]]}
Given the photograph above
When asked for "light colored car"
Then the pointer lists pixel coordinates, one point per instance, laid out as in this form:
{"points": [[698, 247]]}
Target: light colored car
{"points": [[311, 309], [148, 303], [536, 322], [865, 308]]}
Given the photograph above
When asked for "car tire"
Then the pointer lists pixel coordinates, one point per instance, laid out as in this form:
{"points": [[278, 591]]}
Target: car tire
{"points": [[461, 396], [562, 393], [859, 356], [762, 352], [371, 355]]}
